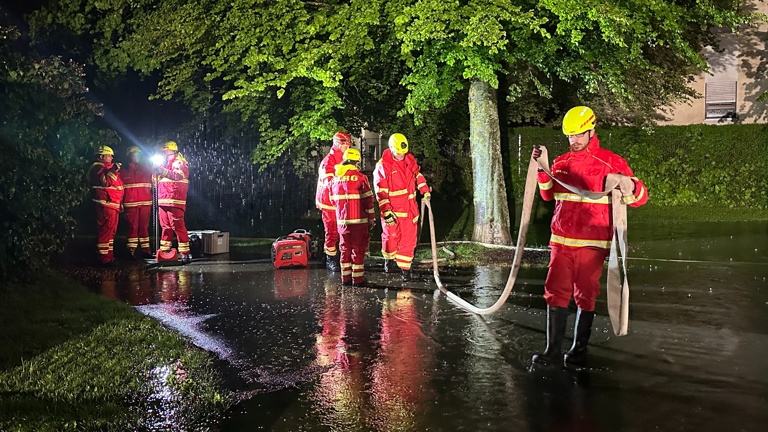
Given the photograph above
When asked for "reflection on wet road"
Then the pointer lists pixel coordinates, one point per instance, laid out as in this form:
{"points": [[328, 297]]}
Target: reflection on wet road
{"points": [[310, 354]]}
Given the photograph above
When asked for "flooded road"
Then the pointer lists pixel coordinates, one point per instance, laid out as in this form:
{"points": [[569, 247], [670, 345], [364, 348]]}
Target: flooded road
{"points": [[308, 354]]}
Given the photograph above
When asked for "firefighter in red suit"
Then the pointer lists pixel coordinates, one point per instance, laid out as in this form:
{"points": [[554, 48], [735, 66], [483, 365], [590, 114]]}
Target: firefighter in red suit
{"points": [[172, 185], [107, 193], [353, 200], [341, 142], [581, 233], [397, 179], [137, 201]]}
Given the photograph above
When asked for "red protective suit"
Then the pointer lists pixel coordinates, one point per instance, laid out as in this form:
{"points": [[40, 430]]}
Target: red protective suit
{"points": [[353, 200], [322, 200], [396, 183], [581, 228], [107, 193], [137, 202], [172, 185]]}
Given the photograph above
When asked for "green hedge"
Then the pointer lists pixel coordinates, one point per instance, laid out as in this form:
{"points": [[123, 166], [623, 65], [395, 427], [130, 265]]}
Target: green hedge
{"points": [[719, 166]]}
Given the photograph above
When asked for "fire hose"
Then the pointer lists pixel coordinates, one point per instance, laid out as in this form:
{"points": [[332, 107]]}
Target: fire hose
{"points": [[617, 290]]}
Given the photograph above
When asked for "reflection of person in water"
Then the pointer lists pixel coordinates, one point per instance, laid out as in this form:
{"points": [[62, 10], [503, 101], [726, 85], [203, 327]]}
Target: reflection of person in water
{"points": [[401, 374], [140, 290], [174, 286], [108, 286], [341, 385]]}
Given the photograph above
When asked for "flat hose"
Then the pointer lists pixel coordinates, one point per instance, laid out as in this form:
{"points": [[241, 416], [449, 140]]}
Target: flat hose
{"points": [[617, 292]]}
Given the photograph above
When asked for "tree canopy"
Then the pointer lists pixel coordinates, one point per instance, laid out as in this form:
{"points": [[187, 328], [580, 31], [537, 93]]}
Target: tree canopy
{"points": [[299, 70]]}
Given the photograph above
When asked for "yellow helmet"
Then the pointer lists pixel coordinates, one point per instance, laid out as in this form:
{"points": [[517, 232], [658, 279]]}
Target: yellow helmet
{"points": [[352, 154], [133, 149], [104, 150], [171, 145], [578, 120], [398, 143]]}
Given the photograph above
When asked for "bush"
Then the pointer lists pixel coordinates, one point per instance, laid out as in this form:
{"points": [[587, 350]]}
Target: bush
{"points": [[45, 136], [696, 165]]}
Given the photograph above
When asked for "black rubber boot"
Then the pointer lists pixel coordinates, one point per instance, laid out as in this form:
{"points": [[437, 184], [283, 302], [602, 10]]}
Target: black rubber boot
{"points": [[389, 266], [557, 319], [582, 329], [406, 275], [332, 263]]}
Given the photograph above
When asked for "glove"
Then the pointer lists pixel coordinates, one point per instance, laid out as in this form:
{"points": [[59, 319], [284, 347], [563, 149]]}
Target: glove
{"points": [[426, 197], [115, 167], [371, 224], [389, 217], [158, 169], [536, 154]]}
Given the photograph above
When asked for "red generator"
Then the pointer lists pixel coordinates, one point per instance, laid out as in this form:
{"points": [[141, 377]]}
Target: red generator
{"points": [[291, 250]]}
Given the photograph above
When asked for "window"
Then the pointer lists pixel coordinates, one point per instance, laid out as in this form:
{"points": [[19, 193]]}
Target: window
{"points": [[720, 99]]}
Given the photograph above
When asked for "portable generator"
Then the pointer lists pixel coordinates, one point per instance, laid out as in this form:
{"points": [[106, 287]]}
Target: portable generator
{"points": [[292, 250]]}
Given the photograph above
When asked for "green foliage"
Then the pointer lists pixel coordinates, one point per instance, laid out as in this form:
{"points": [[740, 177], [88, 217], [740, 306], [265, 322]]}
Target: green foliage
{"points": [[45, 136], [695, 166]]}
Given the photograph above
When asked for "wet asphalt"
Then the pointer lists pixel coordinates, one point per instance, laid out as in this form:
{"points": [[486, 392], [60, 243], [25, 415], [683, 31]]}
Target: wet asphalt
{"points": [[305, 353]]}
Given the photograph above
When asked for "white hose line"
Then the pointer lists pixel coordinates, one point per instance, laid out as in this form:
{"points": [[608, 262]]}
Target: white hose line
{"points": [[530, 189], [617, 292]]}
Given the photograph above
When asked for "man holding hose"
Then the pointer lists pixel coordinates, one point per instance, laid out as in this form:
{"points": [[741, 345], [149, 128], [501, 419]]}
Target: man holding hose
{"points": [[581, 233]]}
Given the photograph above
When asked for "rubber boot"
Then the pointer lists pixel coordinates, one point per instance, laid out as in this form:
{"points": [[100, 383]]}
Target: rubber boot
{"points": [[332, 263], [557, 319], [582, 329], [406, 275], [389, 266]]}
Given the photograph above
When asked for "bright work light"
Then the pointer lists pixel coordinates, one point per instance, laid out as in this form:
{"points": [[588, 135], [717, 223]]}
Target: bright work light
{"points": [[158, 160]]}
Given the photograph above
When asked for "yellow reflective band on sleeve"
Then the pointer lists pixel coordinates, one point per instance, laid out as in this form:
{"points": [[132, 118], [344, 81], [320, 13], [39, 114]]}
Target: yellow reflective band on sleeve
{"points": [[324, 206], [369, 211], [351, 221], [165, 179], [605, 244], [416, 219], [641, 194], [578, 198], [137, 185], [137, 204], [420, 185], [398, 192], [346, 197], [385, 190], [384, 201], [171, 201], [106, 204], [366, 194], [112, 175], [546, 186], [412, 196]]}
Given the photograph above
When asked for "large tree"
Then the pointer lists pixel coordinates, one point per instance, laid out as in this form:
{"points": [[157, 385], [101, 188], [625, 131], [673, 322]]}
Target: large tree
{"points": [[299, 69]]}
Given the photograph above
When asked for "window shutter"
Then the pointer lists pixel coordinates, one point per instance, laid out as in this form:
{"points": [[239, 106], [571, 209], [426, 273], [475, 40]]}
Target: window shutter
{"points": [[720, 99]]}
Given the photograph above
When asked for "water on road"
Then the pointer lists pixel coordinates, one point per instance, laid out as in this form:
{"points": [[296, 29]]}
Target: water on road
{"points": [[308, 354]]}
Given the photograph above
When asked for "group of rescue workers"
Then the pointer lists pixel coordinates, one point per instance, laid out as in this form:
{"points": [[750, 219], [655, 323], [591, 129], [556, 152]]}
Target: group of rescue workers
{"points": [[581, 227], [115, 189], [345, 198]]}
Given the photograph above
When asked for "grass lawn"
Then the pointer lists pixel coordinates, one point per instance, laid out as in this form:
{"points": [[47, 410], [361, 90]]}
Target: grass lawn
{"points": [[74, 360]]}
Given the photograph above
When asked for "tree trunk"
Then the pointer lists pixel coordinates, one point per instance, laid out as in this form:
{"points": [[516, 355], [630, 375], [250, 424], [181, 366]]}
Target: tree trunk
{"points": [[490, 199]]}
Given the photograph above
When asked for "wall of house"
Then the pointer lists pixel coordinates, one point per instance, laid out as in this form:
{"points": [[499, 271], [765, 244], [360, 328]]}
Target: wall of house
{"points": [[743, 59]]}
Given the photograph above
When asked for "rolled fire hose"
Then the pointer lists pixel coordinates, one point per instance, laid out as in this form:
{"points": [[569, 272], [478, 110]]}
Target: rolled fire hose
{"points": [[617, 293]]}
